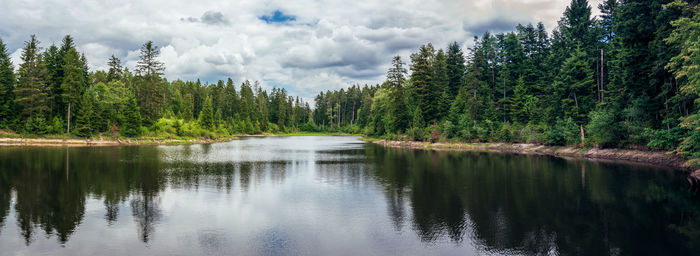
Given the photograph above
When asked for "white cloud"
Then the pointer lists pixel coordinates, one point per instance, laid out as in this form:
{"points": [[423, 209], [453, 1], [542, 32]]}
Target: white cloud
{"points": [[329, 44]]}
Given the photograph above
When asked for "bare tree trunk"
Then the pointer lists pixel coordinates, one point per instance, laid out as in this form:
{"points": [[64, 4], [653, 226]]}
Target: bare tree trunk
{"points": [[602, 76], [69, 105], [504, 100]]}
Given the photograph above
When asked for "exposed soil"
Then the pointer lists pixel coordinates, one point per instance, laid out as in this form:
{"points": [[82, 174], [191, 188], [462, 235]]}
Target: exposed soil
{"points": [[651, 157], [98, 142]]}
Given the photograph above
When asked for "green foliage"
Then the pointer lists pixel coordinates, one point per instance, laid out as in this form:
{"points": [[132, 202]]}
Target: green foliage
{"points": [[563, 132], [664, 138], [36, 125], [56, 126], [132, 119], [602, 128], [206, 116], [84, 116], [504, 134]]}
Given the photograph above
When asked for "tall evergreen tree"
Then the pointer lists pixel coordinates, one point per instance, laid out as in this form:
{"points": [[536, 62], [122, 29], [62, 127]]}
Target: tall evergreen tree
{"points": [[422, 79], [575, 87], [84, 116], [455, 68], [7, 86], [32, 93], [132, 118], [73, 82], [115, 69], [206, 117], [149, 70]]}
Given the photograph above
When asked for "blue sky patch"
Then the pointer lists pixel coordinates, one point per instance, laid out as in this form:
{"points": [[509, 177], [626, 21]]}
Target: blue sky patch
{"points": [[277, 17]]}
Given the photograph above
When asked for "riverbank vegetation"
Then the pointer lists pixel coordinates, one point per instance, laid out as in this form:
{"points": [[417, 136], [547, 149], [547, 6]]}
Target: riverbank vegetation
{"points": [[627, 78]]}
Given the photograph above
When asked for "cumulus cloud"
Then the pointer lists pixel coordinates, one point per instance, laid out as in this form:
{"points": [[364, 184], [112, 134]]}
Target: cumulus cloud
{"points": [[305, 46]]}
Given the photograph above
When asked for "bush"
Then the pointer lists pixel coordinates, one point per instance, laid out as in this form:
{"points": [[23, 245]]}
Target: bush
{"points": [[447, 129], [416, 133], [564, 132], [56, 126], [36, 125], [602, 128], [664, 138], [504, 134]]}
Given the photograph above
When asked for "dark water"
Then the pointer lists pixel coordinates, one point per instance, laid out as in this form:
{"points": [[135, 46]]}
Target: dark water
{"points": [[335, 196]]}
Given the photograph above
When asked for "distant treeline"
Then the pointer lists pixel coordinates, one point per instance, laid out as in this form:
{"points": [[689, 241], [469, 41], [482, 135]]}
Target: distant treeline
{"points": [[54, 93]]}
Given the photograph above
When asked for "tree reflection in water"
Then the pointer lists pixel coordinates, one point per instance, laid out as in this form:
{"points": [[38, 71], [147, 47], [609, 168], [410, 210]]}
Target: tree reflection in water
{"points": [[501, 203], [537, 204]]}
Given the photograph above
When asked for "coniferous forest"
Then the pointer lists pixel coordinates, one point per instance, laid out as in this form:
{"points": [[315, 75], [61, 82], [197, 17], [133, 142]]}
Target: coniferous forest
{"points": [[627, 78]]}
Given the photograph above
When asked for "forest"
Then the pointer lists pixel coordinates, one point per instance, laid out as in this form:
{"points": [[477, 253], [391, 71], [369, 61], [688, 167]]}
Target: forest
{"points": [[627, 78]]}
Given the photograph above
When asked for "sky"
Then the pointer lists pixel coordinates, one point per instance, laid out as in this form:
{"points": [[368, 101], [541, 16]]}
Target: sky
{"points": [[304, 46]]}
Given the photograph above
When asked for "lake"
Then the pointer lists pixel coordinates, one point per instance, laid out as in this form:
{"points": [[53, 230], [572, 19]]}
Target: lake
{"points": [[335, 196]]}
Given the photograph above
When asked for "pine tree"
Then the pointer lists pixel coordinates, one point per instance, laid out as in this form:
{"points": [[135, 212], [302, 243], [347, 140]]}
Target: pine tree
{"points": [[396, 79], [73, 82], [206, 116], [132, 119], [440, 87], [32, 93], [422, 79], [115, 69], [84, 116], [455, 68], [575, 87], [7, 84], [149, 92], [418, 122]]}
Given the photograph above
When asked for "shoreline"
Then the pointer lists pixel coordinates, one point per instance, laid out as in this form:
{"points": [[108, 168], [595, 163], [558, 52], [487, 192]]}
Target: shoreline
{"points": [[658, 158], [74, 142]]}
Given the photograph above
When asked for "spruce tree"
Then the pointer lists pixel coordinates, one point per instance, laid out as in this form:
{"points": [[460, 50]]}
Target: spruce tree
{"points": [[73, 82], [132, 119], [7, 84], [115, 69], [396, 78], [206, 116], [574, 87], [440, 87], [422, 79], [84, 116], [32, 93], [149, 91], [455, 68]]}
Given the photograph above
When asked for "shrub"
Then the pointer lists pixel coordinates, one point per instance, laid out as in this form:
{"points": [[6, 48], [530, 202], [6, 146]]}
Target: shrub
{"points": [[664, 138], [36, 125], [602, 128], [504, 134]]}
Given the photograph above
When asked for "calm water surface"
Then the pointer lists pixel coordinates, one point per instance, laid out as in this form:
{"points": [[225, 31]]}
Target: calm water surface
{"points": [[335, 196]]}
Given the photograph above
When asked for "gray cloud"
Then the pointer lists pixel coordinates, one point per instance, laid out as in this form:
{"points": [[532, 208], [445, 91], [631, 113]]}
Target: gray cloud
{"points": [[329, 45], [214, 18], [209, 18]]}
